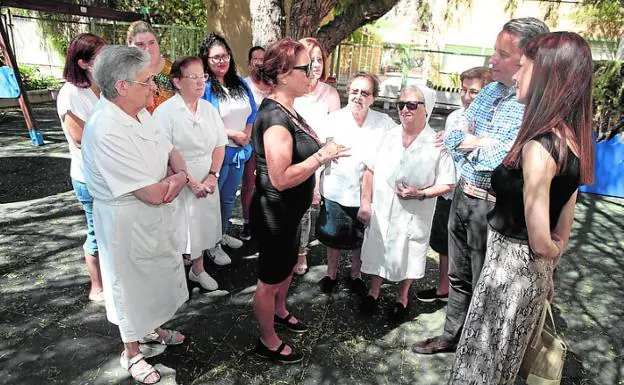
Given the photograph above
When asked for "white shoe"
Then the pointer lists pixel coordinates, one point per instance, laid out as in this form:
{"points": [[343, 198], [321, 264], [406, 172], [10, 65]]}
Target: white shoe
{"points": [[218, 256], [231, 242], [204, 279]]}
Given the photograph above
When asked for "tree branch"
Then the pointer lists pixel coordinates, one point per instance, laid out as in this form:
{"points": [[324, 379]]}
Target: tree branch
{"points": [[358, 15], [305, 16]]}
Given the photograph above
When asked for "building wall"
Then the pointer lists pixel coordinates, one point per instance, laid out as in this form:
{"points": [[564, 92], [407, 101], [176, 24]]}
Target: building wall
{"points": [[232, 20]]}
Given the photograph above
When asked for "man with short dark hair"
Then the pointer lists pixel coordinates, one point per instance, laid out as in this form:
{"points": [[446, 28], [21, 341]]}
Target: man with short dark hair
{"points": [[491, 125]]}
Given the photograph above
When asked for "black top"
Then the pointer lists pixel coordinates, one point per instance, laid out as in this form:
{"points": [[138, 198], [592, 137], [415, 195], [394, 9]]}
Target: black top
{"points": [[271, 113], [507, 216]]}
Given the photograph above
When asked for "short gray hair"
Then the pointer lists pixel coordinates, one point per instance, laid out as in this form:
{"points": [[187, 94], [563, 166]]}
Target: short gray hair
{"points": [[415, 89], [525, 27], [118, 62]]}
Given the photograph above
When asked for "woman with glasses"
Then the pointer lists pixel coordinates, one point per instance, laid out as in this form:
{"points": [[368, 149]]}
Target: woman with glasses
{"points": [[141, 35], [288, 153], [75, 103], [234, 101], [195, 129], [399, 190], [320, 100], [135, 174], [338, 227]]}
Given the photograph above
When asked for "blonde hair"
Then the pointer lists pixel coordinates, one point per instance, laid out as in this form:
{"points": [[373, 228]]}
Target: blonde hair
{"points": [[136, 28]]}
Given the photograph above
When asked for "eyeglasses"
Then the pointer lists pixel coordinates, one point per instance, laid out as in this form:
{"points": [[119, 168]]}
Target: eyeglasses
{"points": [[305, 68], [149, 82], [196, 77], [364, 93], [219, 58], [411, 105]]}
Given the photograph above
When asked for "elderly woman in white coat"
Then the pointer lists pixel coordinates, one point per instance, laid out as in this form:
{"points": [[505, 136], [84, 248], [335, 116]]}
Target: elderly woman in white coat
{"points": [[135, 175], [195, 128], [399, 191]]}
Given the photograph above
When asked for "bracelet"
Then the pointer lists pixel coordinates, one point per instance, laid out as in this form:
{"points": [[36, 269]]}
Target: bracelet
{"points": [[423, 196], [215, 173], [319, 157]]}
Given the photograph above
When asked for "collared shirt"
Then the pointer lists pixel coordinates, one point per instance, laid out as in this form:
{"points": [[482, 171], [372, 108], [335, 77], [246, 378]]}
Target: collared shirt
{"points": [[122, 154], [494, 114]]}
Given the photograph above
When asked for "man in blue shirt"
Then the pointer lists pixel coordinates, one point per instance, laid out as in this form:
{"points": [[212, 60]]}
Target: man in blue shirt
{"points": [[491, 125]]}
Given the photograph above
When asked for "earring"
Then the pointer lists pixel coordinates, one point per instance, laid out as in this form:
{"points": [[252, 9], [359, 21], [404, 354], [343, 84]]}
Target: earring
{"points": [[284, 82]]}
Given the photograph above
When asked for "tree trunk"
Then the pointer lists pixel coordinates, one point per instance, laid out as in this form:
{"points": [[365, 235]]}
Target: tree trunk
{"points": [[267, 21], [306, 16], [359, 14], [620, 51]]}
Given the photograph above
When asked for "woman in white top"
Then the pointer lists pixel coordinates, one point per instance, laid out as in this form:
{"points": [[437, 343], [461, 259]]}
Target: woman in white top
{"points": [[401, 182], [255, 59], [231, 96], [195, 129], [134, 175], [314, 106], [337, 227], [75, 103]]}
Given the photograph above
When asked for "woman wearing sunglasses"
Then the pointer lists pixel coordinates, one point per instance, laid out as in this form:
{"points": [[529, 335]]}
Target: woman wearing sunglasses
{"points": [[195, 129], [287, 154], [403, 179], [320, 100], [231, 96], [337, 227]]}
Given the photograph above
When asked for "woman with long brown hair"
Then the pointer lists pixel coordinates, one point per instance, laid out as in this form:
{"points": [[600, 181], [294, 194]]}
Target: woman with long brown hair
{"points": [[536, 189]]}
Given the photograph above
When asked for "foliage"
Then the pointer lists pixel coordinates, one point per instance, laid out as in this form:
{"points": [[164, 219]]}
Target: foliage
{"points": [[35, 80], [604, 18], [171, 12], [608, 96]]}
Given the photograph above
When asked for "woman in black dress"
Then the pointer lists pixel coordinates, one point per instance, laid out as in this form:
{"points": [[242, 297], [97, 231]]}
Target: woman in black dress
{"points": [[287, 154], [536, 188]]}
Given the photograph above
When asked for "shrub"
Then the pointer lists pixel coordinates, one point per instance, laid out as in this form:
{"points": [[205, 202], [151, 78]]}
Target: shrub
{"points": [[35, 80]]}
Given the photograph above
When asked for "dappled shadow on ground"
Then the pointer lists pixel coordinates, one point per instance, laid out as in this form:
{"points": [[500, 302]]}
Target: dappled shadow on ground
{"points": [[26, 178]]}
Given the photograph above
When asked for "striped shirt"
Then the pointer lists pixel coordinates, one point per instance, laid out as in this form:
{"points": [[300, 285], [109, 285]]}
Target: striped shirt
{"points": [[494, 114]]}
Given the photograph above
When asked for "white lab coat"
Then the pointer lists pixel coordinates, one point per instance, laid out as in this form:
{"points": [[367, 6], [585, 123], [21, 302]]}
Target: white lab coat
{"points": [[139, 244], [196, 136], [397, 238]]}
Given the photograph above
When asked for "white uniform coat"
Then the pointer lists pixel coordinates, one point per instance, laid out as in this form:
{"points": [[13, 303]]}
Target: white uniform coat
{"points": [[196, 136], [397, 238], [139, 244]]}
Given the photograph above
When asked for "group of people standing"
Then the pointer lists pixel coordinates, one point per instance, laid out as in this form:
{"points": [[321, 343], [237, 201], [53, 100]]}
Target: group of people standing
{"points": [[159, 150]]}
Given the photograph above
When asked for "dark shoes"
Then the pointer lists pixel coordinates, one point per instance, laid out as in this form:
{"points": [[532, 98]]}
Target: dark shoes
{"points": [[430, 295], [328, 285], [369, 305], [276, 355], [357, 286], [298, 327], [246, 233], [433, 345], [398, 313]]}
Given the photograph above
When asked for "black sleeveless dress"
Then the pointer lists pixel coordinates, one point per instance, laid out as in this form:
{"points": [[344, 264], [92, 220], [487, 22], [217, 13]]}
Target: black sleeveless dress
{"points": [[275, 215]]}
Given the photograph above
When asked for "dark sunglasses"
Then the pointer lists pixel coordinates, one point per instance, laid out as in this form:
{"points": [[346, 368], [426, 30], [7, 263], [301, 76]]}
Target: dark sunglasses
{"points": [[412, 106], [305, 68]]}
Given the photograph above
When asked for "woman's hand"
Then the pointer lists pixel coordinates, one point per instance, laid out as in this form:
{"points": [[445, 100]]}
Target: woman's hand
{"points": [[316, 198], [197, 188], [239, 137], [364, 213], [175, 183], [210, 184], [331, 151], [405, 191]]}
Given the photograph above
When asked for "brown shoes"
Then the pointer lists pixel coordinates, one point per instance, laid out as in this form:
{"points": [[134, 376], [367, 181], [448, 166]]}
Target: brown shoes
{"points": [[433, 345]]}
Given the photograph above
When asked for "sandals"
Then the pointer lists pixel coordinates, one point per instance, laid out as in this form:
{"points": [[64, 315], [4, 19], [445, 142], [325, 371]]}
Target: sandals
{"points": [[138, 376], [171, 337], [301, 268], [276, 355], [298, 327]]}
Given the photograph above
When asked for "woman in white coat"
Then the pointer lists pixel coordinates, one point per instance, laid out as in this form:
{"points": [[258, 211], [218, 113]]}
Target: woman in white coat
{"points": [[402, 180], [134, 175], [195, 128]]}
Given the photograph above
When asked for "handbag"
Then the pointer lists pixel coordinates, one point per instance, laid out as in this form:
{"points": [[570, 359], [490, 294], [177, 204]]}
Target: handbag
{"points": [[544, 357]]}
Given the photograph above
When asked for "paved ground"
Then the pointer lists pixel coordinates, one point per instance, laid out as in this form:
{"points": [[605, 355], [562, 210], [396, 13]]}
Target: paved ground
{"points": [[50, 334]]}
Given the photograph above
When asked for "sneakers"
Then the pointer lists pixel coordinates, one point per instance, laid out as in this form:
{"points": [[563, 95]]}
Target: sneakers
{"points": [[204, 280], [246, 234], [430, 295], [218, 256], [231, 242]]}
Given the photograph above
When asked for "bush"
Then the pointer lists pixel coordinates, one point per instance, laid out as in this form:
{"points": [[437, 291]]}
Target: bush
{"points": [[608, 95], [35, 80]]}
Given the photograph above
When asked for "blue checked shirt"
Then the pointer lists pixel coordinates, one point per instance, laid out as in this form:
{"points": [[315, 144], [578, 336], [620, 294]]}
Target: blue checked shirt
{"points": [[494, 114]]}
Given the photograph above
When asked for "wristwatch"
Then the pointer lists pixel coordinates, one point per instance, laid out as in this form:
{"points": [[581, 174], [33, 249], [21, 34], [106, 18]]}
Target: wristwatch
{"points": [[423, 196], [215, 173]]}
